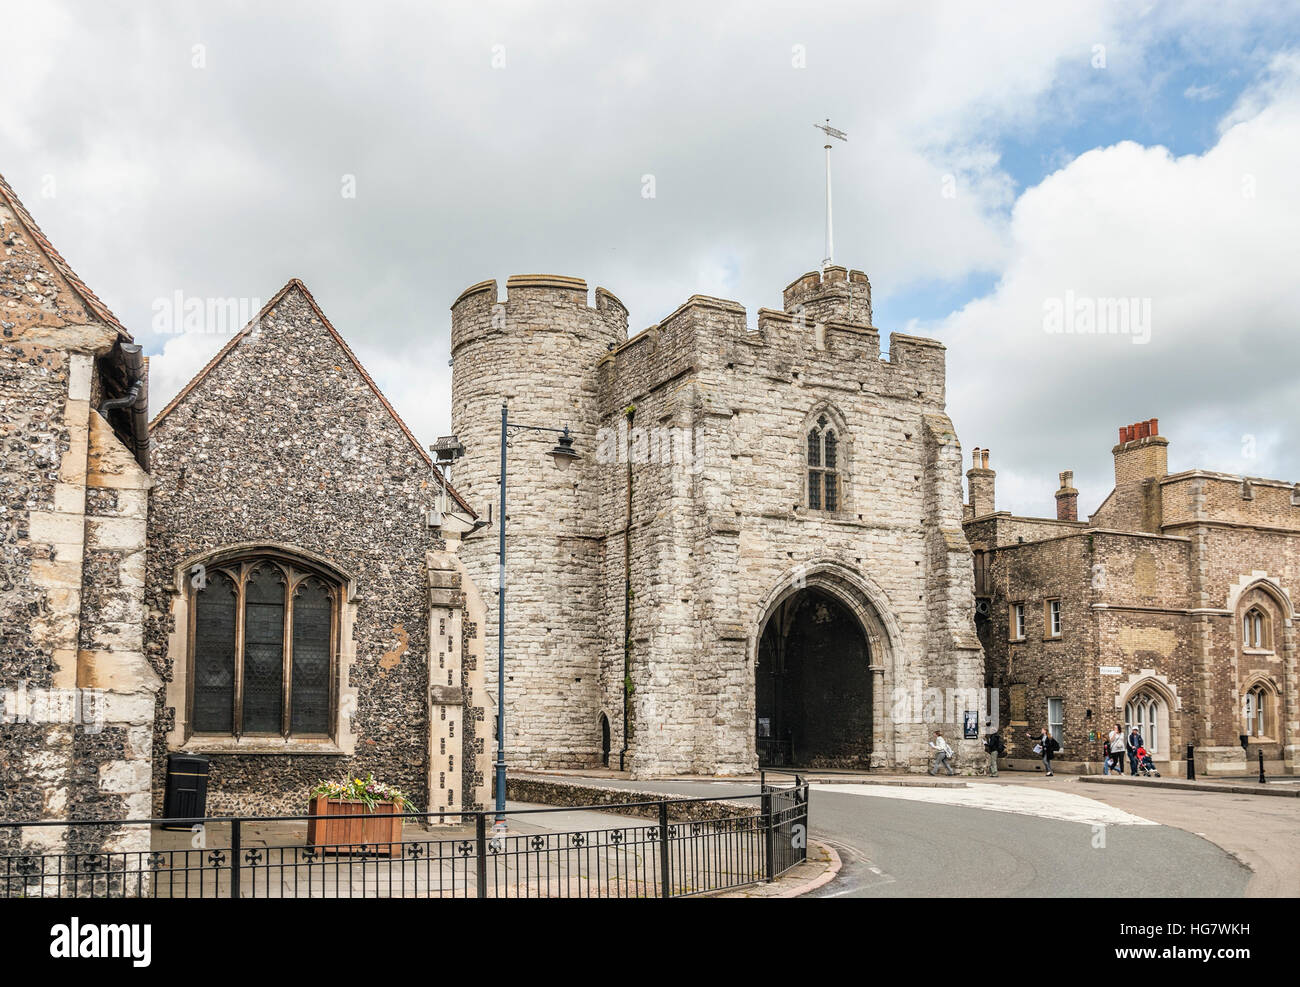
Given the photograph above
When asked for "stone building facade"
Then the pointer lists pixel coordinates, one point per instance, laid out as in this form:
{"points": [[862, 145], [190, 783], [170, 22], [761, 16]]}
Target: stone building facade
{"points": [[78, 694], [1170, 607], [306, 606], [758, 555]]}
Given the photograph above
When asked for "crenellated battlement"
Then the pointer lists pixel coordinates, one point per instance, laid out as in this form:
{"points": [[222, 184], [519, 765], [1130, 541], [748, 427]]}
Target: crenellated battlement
{"points": [[835, 294], [535, 302], [713, 336]]}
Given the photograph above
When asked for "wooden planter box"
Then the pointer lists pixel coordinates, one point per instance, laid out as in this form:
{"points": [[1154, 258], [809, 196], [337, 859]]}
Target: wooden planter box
{"points": [[349, 825]]}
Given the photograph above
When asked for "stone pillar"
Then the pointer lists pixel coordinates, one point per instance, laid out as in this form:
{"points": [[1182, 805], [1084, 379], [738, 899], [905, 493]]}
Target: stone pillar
{"points": [[111, 664]]}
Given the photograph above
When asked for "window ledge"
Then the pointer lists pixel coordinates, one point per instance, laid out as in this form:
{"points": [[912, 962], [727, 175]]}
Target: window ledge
{"points": [[1257, 651], [259, 745]]}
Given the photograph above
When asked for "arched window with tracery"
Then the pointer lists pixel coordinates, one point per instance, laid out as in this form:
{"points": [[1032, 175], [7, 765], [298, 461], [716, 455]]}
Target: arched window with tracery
{"points": [[1145, 710], [263, 648], [1257, 711], [823, 466], [1256, 630]]}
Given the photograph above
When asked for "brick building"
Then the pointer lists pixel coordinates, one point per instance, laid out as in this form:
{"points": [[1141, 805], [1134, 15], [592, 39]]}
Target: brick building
{"points": [[1171, 607]]}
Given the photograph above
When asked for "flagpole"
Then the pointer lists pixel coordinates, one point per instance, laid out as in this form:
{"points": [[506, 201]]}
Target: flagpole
{"points": [[830, 235], [830, 132]]}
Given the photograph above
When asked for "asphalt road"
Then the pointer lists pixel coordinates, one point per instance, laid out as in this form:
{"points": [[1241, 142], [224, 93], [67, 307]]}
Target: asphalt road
{"points": [[896, 847]]}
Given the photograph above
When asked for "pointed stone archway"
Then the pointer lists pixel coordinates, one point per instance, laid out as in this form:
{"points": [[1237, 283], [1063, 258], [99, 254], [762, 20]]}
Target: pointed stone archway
{"points": [[821, 653]]}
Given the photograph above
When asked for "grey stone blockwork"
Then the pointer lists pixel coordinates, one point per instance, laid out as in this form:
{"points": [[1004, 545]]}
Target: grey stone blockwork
{"points": [[696, 429]]}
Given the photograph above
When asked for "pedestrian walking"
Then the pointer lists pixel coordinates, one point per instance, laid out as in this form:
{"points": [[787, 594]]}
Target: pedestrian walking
{"points": [[942, 754], [1131, 744], [1115, 750], [995, 747], [1047, 746]]}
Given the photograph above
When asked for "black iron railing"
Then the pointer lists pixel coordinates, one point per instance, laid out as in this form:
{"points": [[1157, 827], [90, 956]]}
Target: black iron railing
{"points": [[668, 847]]}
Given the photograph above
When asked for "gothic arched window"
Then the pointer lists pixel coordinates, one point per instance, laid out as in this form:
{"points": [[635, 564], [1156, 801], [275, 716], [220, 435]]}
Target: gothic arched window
{"points": [[1257, 711], [1255, 630], [272, 672], [823, 466], [1145, 710]]}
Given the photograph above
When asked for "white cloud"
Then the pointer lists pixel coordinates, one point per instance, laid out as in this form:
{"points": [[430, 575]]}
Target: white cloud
{"points": [[1211, 240], [224, 181], [1202, 94]]}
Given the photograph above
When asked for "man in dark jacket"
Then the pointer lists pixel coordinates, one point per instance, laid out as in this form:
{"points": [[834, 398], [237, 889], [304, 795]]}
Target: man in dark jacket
{"points": [[1047, 746], [995, 747], [1131, 744]]}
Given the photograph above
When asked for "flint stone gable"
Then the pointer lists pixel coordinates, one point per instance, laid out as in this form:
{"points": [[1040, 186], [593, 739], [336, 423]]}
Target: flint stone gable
{"points": [[283, 445]]}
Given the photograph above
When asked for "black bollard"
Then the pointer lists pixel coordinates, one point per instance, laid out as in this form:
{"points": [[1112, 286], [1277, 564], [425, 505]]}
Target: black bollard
{"points": [[1191, 762], [1261, 765]]}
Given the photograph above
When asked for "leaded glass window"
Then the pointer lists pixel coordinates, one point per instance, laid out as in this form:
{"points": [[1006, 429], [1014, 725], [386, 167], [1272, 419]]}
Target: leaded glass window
{"points": [[264, 651], [272, 673], [1144, 711], [312, 616], [214, 655], [823, 466]]}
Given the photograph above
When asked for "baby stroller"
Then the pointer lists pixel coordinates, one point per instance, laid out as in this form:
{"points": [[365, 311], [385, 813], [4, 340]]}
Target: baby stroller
{"points": [[1146, 766]]}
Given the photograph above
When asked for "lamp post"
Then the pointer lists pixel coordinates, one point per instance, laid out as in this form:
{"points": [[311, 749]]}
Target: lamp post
{"points": [[563, 452]]}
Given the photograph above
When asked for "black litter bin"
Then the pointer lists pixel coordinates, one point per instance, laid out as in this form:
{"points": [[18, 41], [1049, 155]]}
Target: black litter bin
{"points": [[186, 793]]}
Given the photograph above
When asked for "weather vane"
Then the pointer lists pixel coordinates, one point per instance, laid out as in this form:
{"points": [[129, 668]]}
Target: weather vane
{"points": [[829, 131]]}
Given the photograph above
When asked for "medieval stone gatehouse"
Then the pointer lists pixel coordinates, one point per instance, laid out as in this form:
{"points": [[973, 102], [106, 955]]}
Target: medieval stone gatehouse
{"points": [[306, 607], [1172, 608], [758, 556]]}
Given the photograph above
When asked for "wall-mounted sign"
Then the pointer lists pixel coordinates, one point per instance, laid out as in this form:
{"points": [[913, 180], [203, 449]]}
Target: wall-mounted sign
{"points": [[1111, 670], [970, 724]]}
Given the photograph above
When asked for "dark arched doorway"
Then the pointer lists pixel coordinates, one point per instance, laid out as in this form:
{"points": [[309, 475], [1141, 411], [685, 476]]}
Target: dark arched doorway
{"points": [[604, 740], [813, 685]]}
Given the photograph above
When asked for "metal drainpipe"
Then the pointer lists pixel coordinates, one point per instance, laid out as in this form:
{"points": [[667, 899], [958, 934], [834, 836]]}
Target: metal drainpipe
{"points": [[137, 399], [627, 595]]}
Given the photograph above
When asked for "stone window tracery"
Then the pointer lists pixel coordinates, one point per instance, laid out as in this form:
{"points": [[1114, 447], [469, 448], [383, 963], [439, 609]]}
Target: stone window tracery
{"points": [[263, 649], [1257, 711], [823, 466], [1145, 711], [1256, 630]]}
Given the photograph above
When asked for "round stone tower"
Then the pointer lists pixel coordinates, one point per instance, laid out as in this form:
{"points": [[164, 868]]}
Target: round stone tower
{"points": [[538, 350]]}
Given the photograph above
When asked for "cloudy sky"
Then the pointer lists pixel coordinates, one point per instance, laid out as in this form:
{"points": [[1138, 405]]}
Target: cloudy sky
{"points": [[1010, 168]]}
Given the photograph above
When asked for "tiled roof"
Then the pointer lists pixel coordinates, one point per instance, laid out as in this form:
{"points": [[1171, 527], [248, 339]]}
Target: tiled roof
{"points": [[87, 296], [279, 295]]}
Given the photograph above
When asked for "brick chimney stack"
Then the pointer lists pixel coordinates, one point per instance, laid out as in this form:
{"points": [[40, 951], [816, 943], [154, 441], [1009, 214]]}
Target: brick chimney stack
{"points": [[980, 480], [1067, 498], [1141, 458]]}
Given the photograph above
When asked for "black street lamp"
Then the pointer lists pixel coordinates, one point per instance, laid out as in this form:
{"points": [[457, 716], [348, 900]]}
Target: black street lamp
{"points": [[562, 453]]}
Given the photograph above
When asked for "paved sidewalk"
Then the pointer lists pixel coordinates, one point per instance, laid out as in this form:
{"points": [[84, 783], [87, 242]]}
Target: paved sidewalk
{"points": [[551, 853], [1286, 786], [821, 867]]}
